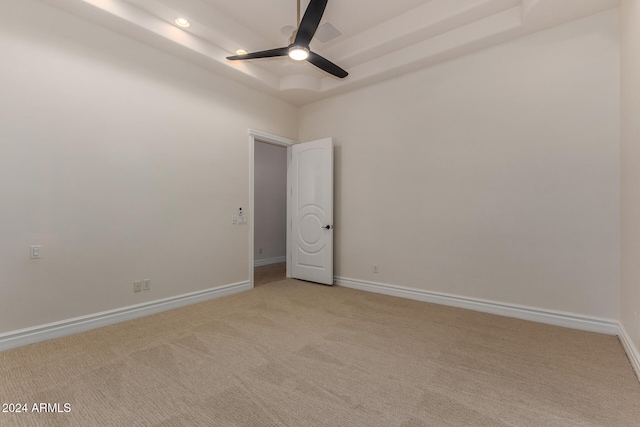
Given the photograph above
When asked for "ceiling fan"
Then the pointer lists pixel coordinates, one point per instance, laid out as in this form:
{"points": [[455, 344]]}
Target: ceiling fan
{"points": [[299, 48]]}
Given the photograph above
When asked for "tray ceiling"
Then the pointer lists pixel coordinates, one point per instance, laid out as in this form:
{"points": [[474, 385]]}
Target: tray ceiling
{"points": [[372, 40]]}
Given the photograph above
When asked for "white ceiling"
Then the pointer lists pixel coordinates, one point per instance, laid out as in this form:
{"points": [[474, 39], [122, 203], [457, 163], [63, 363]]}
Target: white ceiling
{"points": [[380, 39]]}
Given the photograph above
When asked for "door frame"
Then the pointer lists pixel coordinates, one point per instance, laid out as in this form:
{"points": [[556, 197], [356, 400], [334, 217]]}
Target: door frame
{"points": [[258, 136]]}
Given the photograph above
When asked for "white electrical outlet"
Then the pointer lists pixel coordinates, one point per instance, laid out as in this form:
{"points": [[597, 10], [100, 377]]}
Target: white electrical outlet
{"points": [[146, 285], [137, 286], [234, 219]]}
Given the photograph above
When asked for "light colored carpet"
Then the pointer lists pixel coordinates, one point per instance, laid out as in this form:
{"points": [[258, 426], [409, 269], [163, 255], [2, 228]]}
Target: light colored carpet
{"points": [[269, 273], [297, 354]]}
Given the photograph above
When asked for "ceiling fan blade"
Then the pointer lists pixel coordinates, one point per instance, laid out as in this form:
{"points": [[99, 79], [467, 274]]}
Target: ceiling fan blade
{"points": [[326, 65], [310, 22], [281, 51]]}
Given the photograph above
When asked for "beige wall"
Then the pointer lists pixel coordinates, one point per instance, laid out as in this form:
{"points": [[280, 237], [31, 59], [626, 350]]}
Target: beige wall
{"points": [[494, 176], [630, 159], [123, 162], [270, 201]]}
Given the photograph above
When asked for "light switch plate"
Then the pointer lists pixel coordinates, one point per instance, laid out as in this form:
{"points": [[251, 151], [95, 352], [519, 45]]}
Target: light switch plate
{"points": [[35, 252]]}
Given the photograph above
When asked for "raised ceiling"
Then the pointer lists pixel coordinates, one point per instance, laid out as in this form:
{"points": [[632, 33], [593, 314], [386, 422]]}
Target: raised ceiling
{"points": [[374, 41]]}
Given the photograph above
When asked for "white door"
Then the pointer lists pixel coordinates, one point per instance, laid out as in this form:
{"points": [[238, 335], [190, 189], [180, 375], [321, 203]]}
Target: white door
{"points": [[312, 211]]}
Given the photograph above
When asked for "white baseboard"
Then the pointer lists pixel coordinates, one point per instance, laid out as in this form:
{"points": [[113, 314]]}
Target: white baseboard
{"points": [[551, 317], [631, 349], [84, 323], [261, 262]]}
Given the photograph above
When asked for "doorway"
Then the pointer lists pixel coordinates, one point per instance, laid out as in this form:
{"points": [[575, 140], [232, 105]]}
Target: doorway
{"points": [[309, 208], [269, 213], [269, 251]]}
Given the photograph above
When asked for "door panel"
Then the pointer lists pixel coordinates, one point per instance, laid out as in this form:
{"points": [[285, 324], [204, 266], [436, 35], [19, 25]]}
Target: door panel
{"points": [[312, 211]]}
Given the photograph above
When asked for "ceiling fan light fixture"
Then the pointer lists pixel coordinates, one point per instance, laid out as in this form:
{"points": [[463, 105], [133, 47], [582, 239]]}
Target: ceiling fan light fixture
{"points": [[298, 53], [241, 52], [298, 49]]}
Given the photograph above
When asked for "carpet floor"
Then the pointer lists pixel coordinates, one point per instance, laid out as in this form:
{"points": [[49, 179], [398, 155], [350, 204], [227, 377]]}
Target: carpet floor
{"points": [[297, 354], [269, 273]]}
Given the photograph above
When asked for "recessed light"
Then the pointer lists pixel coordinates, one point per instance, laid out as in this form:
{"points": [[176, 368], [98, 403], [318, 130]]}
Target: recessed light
{"points": [[182, 22], [241, 52]]}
